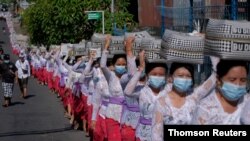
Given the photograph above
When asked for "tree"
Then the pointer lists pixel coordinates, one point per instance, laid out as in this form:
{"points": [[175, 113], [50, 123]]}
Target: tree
{"points": [[7, 1], [56, 21]]}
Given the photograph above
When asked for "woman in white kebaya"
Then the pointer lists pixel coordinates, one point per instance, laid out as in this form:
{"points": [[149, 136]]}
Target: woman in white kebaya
{"points": [[154, 89], [100, 100], [117, 81], [131, 114], [178, 105], [72, 86], [225, 103], [79, 94], [50, 65], [42, 59]]}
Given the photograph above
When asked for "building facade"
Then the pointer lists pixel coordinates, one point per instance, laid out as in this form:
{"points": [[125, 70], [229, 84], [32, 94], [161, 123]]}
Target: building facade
{"points": [[176, 14]]}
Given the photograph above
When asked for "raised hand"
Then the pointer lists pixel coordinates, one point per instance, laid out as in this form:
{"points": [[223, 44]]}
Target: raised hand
{"points": [[107, 41], [129, 45], [215, 61], [142, 60]]}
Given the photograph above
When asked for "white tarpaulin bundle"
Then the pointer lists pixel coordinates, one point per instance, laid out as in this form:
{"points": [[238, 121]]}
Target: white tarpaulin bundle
{"points": [[66, 49], [152, 49], [116, 45], [53, 47], [138, 39], [98, 39], [182, 47], [22, 38], [42, 48], [79, 49], [228, 39]]}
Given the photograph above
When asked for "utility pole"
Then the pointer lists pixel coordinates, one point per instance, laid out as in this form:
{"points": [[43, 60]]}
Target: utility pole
{"points": [[162, 17], [112, 6], [191, 18], [234, 9], [248, 10], [112, 13]]}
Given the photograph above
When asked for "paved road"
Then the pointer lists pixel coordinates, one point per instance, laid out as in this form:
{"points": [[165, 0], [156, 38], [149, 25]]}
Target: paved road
{"points": [[38, 118]]}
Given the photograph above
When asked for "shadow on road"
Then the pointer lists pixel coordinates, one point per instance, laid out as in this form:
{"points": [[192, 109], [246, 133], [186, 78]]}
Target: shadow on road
{"points": [[29, 96], [23, 133], [16, 103]]}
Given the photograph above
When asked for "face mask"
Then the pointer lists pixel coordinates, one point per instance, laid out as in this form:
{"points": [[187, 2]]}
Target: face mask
{"points": [[232, 92], [156, 81], [95, 79], [52, 60], [182, 84], [81, 66], [6, 61], [71, 62], [120, 69]]}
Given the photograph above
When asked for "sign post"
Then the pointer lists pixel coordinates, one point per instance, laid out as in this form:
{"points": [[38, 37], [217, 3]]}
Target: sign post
{"points": [[95, 15]]}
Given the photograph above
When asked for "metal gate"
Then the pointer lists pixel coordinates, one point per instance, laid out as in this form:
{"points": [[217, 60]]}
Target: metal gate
{"points": [[183, 16]]}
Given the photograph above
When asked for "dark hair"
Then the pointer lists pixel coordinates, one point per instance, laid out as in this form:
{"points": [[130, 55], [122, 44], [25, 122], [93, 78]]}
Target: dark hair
{"points": [[137, 62], [97, 61], [6, 57], [189, 67], [109, 62], [225, 65], [77, 57], [151, 66], [68, 61], [62, 57], [118, 56]]}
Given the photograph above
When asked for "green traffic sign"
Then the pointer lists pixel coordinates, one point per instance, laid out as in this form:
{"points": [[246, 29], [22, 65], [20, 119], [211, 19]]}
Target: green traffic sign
{"points": [[94, 16]]}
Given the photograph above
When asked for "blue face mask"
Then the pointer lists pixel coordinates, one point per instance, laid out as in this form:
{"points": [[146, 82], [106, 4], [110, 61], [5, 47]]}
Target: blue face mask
{"points": [[81, 66], [156, 81], [96, 79], [182, 84], [120, 69], [232, 92]]}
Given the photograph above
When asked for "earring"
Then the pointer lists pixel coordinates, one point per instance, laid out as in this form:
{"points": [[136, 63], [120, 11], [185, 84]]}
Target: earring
{"points": [[218, 83]]}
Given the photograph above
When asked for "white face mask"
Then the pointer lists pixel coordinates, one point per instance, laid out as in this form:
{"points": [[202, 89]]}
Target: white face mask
{"points": [[71, 61]]}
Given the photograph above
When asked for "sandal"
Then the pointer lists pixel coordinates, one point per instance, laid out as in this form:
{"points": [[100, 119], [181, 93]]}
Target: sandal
{"points": [[76, 126]]}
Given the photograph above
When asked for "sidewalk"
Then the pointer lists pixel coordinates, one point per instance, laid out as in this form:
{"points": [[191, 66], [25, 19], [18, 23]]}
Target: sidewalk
{"points": [[18, 29]]}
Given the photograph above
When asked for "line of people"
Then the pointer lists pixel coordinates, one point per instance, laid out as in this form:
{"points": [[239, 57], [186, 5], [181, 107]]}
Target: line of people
{"points": [[126, 98]]}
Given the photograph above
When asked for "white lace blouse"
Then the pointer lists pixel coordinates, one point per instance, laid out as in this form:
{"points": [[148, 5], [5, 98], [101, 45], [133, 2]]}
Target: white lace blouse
{"points": [[132, 91], [101, 93], [116, 87], [103, 90], [50, 65], [210, 111], [146, 103], [165, 113], [245, 116]]}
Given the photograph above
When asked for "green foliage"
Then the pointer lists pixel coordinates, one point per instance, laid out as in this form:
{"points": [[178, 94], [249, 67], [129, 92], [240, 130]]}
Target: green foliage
{"points": [[7, 1], [56, 21]]}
